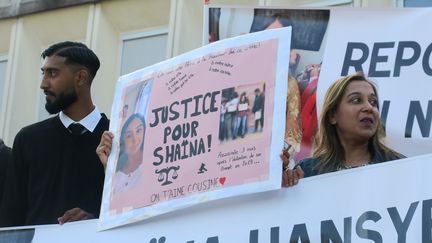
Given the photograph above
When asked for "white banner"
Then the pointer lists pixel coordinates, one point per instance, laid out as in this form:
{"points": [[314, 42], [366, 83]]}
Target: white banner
{"points": [[388, 202]]}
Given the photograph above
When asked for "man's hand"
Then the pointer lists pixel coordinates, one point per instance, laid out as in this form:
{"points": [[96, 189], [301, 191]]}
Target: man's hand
{"points": [[74, 214], [104, 148]]}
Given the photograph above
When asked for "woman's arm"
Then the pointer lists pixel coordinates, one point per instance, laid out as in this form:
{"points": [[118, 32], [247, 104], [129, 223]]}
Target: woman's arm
{"points": [[290, 177]]}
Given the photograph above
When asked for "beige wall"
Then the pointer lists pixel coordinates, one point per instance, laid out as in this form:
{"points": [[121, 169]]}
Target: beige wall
{"points": [[7, 36], [101, 26], [188, 15]]}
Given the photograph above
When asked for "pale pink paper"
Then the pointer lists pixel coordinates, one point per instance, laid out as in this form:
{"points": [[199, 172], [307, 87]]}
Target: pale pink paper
{"points": [[259, 72]]}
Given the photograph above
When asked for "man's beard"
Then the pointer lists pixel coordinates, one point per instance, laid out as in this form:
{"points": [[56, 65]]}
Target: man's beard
{"points": [[62, 101]]}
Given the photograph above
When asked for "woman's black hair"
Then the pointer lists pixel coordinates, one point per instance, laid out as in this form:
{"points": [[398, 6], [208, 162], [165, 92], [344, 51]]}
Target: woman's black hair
{"points": [[123, 158]]}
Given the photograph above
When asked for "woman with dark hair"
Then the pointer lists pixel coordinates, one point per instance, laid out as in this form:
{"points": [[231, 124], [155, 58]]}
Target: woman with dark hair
{"points": [[131, 144], [350, 133], [243, 112], [131, 152], [130, 160], [231, 115]]}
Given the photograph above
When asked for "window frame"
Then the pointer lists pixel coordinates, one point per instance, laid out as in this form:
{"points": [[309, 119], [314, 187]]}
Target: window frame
{"points": [[140, 35]]}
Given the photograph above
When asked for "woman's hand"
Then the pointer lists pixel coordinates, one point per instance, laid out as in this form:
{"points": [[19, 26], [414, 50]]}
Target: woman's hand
{"points": [[290, 177], [104, 148]]}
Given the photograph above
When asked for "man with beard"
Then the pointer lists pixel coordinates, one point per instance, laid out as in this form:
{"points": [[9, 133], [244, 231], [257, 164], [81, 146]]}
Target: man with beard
{"points": [[56, 176]]}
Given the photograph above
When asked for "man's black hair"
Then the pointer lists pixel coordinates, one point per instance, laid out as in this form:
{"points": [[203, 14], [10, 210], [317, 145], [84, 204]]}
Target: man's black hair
{"points": [[74, 53]]}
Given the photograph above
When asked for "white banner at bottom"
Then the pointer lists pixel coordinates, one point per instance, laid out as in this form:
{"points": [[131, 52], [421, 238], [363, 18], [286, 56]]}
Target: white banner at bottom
{"points": [[388, 202]]}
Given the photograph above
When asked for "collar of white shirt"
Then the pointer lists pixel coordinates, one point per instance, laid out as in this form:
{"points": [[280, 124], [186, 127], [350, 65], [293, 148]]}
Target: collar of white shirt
{"points": [[89, 122]]}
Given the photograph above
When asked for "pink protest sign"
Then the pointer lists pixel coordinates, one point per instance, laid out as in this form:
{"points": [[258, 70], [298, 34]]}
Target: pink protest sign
{"points": [[204, 125]]}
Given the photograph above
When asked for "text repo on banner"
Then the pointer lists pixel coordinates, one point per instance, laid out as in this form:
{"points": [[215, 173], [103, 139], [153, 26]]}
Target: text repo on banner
{"points": [[201, 126]]}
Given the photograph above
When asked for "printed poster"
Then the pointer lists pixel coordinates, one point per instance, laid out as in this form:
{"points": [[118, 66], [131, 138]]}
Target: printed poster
{"points": [[309, 28], [201, 126]]}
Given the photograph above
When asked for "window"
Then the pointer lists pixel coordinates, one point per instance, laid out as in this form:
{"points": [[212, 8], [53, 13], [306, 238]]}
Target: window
{"points": [[417, 3], [143, 49], [5, 3], [42, 113], [314, 3], [3, 65], [3, 91]]}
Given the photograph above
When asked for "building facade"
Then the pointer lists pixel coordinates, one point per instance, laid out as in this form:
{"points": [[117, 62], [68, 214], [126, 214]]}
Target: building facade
{"points": [[125, 34]]}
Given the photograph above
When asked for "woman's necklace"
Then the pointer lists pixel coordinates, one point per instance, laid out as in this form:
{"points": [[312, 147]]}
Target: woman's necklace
{"points": [[344, 167]]}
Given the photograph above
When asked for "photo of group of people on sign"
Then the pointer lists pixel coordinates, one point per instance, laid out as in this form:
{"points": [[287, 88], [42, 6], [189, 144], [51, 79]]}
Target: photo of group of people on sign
{"points": [[241, 115]]}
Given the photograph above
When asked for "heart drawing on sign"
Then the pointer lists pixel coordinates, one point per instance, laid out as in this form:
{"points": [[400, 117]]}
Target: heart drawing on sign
{"points": [[222, 180]]}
